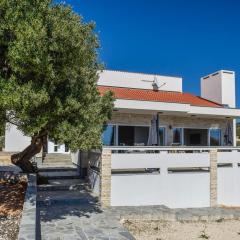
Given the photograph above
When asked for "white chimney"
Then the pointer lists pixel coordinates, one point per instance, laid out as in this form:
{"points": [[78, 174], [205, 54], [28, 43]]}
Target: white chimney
{"points": [[219, 87]]}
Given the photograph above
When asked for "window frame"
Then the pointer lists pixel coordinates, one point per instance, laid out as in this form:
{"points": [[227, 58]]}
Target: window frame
{"points": [[164, 135], [116, 142], [181, 136], [114, 135], [220, 136]]}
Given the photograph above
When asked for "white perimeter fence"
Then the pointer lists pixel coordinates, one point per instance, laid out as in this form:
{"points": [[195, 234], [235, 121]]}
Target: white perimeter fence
{"points": [[175, 177]]}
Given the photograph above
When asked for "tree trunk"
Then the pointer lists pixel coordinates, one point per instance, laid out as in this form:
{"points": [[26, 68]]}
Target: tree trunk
{"points": [[23, 158]]}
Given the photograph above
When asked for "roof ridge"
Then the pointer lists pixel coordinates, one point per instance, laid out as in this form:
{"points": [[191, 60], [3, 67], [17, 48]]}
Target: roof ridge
{"points": [[209, 100], [164, 96], [144, 73]]}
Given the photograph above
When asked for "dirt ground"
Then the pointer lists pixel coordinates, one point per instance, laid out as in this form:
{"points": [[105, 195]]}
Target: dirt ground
{"points": [[12, 198], [11, 204], [150, 230]]}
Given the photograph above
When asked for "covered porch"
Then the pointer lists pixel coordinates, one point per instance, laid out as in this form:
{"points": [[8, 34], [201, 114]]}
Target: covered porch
{"points": [[130, 135], [132, 129], [184, 120]]}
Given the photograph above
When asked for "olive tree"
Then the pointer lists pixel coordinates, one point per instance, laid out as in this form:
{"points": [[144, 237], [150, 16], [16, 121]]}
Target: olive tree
{"points": [[48, 73]]}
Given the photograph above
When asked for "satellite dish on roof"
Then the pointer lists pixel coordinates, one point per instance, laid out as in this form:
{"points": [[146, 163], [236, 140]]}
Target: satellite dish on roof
{"points": [[156, 84]]}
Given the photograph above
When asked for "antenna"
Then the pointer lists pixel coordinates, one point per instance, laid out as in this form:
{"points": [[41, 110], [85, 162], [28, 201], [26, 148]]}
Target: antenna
{"points": [[156, 85]]}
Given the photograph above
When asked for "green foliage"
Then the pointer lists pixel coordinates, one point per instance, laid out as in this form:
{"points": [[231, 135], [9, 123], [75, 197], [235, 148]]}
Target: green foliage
{"points": [[48, 73]]}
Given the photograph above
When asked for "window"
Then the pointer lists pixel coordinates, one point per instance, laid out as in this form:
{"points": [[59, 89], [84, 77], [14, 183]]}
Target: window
{"points": [[108, 136], [133, 135], [56, 147], [215, 137], [177, 136], [161, 136], [195, 139], [66, 148]]}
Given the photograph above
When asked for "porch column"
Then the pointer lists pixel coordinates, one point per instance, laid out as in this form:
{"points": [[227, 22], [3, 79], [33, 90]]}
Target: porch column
{"points": [[105, 178], [213, 178], [234, 132]]}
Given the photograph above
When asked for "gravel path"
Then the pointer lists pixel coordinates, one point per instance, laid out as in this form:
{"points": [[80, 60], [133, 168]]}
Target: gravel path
{"points": [[9, 227]]}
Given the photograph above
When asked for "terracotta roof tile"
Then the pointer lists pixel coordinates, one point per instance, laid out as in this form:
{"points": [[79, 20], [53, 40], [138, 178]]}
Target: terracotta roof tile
{"points": [[158, 96]]}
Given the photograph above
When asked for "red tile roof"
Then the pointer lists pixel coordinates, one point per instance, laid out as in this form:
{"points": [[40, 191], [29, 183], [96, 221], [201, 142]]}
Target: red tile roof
{"points": [[157, 96]]}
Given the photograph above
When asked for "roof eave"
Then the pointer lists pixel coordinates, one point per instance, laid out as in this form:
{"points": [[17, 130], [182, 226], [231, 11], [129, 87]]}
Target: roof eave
{"points": [[177, 108]]}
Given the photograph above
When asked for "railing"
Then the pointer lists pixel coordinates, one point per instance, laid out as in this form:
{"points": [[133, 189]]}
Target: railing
{"points": [[170, 149]]}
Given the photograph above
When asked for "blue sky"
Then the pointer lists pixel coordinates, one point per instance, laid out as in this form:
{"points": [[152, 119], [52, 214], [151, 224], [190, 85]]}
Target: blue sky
{"points": [[169, 37]]}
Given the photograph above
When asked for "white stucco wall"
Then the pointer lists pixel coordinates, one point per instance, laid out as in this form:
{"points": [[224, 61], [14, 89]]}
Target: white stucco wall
{"points": [[139, 80], [60, 149], [174, 189], [228, 179], [219, 87], [15, 141], [185, 189]]}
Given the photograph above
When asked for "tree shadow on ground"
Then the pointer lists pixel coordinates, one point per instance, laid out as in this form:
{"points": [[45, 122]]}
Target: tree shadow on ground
{"points": [[85, 206]]}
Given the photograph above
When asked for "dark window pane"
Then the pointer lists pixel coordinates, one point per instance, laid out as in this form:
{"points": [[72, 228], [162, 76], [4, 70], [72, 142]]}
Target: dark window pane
{"points": [[55, 148], [161, 136], [66, 148], [195, 138], [177, 135], [125, 135], [141, 136], [108, 135], [215, 137], [133, 135]]}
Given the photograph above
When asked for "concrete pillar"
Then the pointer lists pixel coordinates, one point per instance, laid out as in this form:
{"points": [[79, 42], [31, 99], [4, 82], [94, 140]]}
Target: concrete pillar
{"points": [[213, 178], [105, 178], [234, 132]]}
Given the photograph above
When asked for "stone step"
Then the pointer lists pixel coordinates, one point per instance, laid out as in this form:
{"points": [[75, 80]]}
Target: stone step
{"points": [[56, 160], [57, 155], [63, 184], [49, 187], [57, 169], [65, 197], [60, 164], [72, 201], [60, 174], [64, 177], [62, 156], [51, 168]]}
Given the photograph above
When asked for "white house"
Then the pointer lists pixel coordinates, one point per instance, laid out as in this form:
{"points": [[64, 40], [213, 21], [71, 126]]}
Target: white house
{"points": [[196, 162], [184, 119]]}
